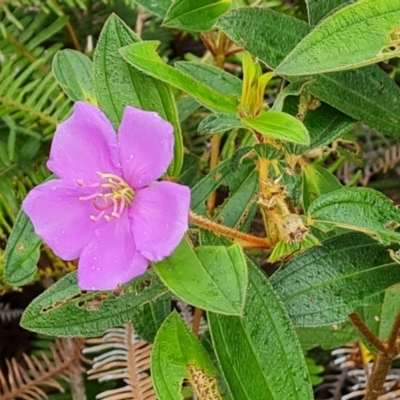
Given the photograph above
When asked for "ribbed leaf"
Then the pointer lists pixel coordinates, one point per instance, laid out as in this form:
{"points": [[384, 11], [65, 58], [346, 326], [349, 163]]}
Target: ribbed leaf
{"points": [[323, 285], [367, 94], [63, 310]]}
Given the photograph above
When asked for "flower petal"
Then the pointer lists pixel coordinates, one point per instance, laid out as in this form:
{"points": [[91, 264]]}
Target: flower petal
{"points": [[110, 258], [84, 144], [159, 215], [147, 143], [59, 218]]}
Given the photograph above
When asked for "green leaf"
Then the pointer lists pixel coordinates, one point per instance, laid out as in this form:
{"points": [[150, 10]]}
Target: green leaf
{"points": [[144, 57], [195, 16], [239, 208], [367, 94], [323, 285], [316, 182], [64, 310], [73, 71], [22, 252], [212, 278], [380, 317], [215, 78], [157, 7], [117, 85], [328, 337], [320, 9], [279, 125], [186, 107], [148, 319], [218, 123], [324, 125], [255, 351], [293, 89], [176, 354], [361, 34], [360, 209]]}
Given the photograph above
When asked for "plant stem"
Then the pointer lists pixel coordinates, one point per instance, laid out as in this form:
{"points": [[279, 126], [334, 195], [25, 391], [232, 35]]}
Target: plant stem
{"points": [[375, 386], [367, 333], [253, 241], [388, 349], [198, 312]]}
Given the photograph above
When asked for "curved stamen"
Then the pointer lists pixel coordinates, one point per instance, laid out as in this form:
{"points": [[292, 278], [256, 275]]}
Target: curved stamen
{"points": [[113, 193]]}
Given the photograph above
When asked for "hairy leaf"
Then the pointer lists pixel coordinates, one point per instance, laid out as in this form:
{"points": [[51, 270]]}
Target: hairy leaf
{"points": [[212, 278], [363, 33], [195, 16], [323, 285], [320, 9], [360, 209], [367, 94], [256, 349], [73, 71], [177, 354], [22, 252], [64, 310], [144, 57]]}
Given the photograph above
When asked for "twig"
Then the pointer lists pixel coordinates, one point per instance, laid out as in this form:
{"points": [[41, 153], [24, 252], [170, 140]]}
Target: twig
{"points": [[198, 312], [141, 17], [253, 241], [367, 333]]}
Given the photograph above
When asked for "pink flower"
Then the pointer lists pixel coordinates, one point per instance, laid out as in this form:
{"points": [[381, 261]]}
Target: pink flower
{"points": [[106, 207]]}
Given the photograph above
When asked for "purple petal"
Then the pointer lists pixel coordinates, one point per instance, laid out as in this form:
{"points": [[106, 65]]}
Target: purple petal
{"points": [[110, 258], [146, 146], [84, 144], [60, 218], [159, 215]]}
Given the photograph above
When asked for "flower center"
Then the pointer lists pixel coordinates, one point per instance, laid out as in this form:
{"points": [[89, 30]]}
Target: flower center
{"points": [[113, 195]]}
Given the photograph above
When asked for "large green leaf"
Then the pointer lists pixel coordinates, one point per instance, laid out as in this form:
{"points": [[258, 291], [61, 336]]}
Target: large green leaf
{"points": [[323, 285], [64, 310], [73, 71], [144, 57], [22, 252], [367, 94], [358, 35], [210, 277], [279, 125], [360, 209], [177, 354], [260, 348], [117, 84], [197, 15], [320, 9]]}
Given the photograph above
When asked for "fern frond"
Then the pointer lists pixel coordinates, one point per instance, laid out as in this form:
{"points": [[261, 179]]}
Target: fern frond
{"points": [[124, 357], [29, 93], [7, 314], [26, 382]]}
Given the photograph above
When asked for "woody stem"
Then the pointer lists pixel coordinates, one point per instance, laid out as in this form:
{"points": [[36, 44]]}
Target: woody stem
{"points": [[248, 241]]}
